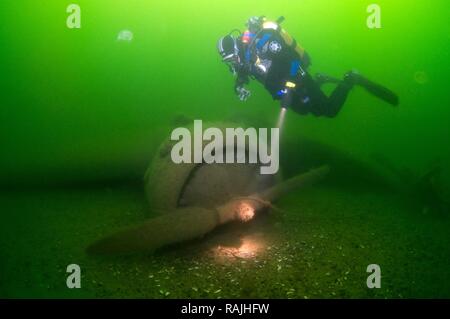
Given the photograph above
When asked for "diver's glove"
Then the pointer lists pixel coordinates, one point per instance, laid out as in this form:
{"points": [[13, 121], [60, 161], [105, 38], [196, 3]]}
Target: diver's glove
{"points": [[242, 93]]}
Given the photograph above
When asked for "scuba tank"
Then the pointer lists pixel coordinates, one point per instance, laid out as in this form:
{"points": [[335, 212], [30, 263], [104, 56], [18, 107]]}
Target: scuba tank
{"points": [[257, 26]]}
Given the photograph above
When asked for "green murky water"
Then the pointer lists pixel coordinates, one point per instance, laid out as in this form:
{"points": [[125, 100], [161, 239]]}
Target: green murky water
{"points": [[83, 111]]}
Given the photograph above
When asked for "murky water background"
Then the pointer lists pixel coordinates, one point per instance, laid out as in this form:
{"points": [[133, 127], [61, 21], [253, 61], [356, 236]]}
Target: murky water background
{"points": [[83, 111]]}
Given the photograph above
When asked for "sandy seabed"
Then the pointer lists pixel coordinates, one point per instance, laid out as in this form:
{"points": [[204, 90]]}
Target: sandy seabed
{"points": [[317, 245]]}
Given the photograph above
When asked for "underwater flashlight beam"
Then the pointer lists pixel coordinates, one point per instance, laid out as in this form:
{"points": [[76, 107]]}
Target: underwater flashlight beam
{"points": [[281, 118]]}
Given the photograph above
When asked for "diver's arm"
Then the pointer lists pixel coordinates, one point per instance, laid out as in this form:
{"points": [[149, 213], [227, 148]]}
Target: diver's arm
{"points": [[239, 85]]}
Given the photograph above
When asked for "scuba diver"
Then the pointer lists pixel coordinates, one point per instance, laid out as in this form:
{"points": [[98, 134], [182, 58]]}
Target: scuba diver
{"points": [[267, 53]]}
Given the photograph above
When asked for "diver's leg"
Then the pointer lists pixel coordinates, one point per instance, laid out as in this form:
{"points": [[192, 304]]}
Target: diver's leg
{"points": [[322, 105], [330, 106], [322, 79], [337, 98]]}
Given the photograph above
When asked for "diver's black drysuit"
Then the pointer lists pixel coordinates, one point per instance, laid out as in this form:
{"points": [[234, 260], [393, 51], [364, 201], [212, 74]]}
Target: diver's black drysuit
{"points": [[283, 72]]}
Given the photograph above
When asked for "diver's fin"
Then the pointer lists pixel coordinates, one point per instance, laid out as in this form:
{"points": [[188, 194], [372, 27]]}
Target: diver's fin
{"points": [[376, 89]]}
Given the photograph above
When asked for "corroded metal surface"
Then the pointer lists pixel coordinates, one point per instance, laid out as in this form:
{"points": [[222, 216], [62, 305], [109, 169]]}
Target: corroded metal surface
{"points": [[169, 185]]}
